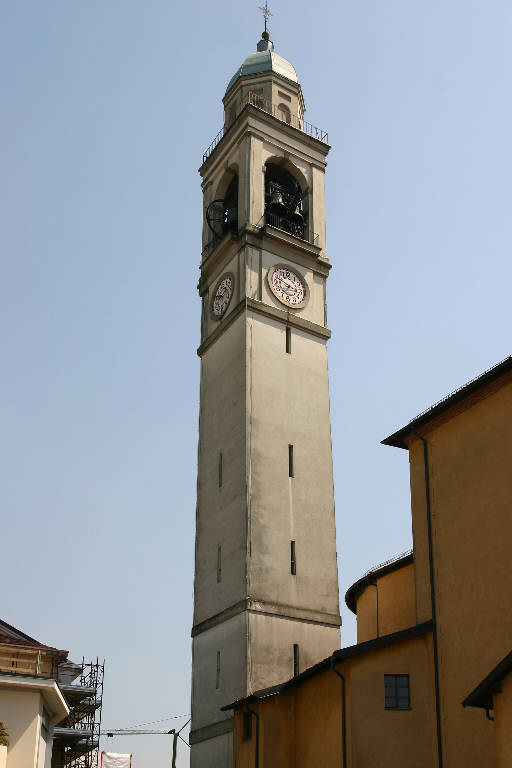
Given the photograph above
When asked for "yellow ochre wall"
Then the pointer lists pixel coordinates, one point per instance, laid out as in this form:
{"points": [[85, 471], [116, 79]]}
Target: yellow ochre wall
{"points": [[387, 607], [470, 456], [503, 723], [380, 737], [301, 727]]}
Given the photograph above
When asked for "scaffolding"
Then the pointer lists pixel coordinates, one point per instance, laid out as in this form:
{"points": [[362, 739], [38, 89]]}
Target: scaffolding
{"points": [[79, 735]]}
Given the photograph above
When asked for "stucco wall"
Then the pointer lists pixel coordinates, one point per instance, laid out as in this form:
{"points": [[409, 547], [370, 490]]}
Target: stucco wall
{"points": [[387, 738], [271, 647], [387, 607], [221, 516], [19, 711], [301, 727], [229, 638], [503, 723], [471, 487], [212, 753], [288, 401], [366, 608]]}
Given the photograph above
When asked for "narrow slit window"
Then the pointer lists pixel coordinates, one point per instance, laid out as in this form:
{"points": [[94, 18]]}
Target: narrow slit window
{"points": [[397, 692], [290, 461], [288, 339], [295, 659], [293, 559], [219, 564], [220, 470], [217, 676]]}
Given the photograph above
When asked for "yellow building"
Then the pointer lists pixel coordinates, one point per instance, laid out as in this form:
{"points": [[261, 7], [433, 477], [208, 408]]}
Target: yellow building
{"points": [[431, 623], [494, 693]]}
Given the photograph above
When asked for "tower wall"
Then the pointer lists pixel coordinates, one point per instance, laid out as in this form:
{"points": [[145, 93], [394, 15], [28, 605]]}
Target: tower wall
{"points": [[266, 584], [288, 404]]}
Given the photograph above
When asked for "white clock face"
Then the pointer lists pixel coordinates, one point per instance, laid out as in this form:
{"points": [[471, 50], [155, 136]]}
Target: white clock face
{"points": [[222, 296], [287, 286]]}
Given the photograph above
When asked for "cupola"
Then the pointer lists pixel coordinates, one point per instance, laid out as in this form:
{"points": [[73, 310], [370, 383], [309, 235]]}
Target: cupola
{"points": [[268, 78]]}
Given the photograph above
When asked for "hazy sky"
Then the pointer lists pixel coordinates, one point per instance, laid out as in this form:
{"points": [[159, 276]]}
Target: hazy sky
{"points": [[107, 107]]}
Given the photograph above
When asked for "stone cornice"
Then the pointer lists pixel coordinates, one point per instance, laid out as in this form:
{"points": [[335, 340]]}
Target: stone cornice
{"points": [[285, 316], [253, 605], [255, 237], [289, 318], [210, 731], [244, 123]]}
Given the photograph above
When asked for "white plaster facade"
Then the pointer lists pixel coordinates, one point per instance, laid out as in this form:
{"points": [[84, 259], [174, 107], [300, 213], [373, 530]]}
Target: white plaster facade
{"points": [[29, 708], [257, 399]]}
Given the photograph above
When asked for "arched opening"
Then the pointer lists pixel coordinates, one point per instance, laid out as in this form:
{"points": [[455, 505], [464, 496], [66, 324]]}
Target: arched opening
{"points": [[284, 201], [283, 112], [222, 213]]}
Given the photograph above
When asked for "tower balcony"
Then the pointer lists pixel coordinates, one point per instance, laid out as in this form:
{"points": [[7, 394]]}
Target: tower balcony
{"points": [[255, 100], [272, 220]]}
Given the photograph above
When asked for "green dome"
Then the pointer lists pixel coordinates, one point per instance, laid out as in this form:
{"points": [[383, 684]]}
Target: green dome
{"points": [[264, 60]]}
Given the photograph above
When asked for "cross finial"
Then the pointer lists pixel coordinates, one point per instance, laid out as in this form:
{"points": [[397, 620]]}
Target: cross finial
{"points": [[266, 13]]}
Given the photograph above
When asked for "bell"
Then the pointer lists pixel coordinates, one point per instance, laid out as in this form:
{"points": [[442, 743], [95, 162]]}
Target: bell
{"points": [[232, 217], [297, 218], [276, 205]]}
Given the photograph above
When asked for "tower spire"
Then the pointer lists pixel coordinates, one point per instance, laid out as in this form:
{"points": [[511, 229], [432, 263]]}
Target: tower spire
{"points": [[266, 13]]}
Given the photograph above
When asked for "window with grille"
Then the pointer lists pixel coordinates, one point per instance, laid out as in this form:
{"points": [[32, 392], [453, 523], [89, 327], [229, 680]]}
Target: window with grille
{"points": [[397, 692]]}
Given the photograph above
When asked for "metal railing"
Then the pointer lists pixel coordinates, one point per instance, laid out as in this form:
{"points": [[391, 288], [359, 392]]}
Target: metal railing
{"points": [[386, 562], [287, 225], [209, 247], [271, 219], [267, 106], [294, 120]]}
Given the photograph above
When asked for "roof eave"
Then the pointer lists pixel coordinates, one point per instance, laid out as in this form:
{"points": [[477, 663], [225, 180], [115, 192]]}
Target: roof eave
{"points": [[482, 695], [337, 657], [263, 73], [353, 592], [399, 439]]}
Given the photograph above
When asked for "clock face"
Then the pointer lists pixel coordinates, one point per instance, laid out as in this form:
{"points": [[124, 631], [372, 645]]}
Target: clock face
{"points": [[288, 286], [222, 295]]}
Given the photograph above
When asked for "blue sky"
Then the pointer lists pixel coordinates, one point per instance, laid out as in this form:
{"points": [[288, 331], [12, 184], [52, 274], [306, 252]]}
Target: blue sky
{"points": [[107, 108]]}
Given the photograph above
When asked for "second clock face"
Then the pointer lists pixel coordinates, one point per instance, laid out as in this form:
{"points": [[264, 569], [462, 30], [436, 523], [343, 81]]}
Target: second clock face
{"points": [[287, 286], [222, 295]]}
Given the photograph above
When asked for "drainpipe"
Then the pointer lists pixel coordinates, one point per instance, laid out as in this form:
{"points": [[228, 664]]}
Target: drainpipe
{"points": [[343, 716], [374, 584], [432, 597], [257, 753]]}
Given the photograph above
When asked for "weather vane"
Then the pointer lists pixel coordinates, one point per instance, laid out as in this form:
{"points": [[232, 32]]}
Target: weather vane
{"points": [[266, 12]]}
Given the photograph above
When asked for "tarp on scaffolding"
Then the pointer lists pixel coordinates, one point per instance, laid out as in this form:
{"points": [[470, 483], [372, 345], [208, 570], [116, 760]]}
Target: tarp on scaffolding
{"points": [[113, 760]]}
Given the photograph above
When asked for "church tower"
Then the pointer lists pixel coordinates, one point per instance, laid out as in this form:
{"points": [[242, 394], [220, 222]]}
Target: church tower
{"points": [[266, 602]]}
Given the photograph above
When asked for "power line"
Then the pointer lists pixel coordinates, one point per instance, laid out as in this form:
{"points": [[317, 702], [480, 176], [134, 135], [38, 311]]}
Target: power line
{"points": [[137, 732], [151, 722]]}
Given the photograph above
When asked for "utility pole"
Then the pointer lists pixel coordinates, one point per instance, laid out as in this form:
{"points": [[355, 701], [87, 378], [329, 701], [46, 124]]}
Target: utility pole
{"points": [[135, 732], [174, 748]]}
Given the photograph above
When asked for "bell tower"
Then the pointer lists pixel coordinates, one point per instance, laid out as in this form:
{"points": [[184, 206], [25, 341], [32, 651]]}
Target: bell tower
{"points": [[266, 603]]}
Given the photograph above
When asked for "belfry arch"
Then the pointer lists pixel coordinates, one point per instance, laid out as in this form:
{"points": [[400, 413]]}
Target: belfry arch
{"points": [[286, 197], [222, 212]]}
